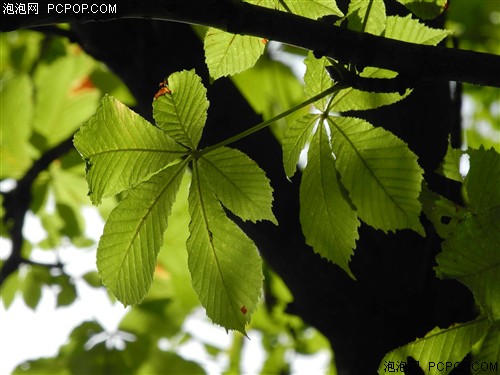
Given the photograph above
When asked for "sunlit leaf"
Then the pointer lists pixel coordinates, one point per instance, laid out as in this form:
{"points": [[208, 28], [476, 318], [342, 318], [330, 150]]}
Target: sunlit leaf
{"points": [[239, 183], [121, 149], [182, 112], [294, 140], [447, 345], [425, 9], [227, 54], [380, 172], [16, 106], [313, 8], [225, 266], [410, 30], [317, 80], [367, 16], [472, 255], [65, 96], [483, 180], [328, 221], [310, 8], [450, 167], [133, 235], [488, 351]]}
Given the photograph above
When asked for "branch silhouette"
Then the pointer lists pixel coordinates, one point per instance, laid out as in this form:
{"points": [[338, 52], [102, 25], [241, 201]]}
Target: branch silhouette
{"points": [[418, 61]]}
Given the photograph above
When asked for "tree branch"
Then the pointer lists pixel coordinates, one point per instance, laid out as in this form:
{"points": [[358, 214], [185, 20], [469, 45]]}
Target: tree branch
{"points": [[362, 49], [17, 202]]}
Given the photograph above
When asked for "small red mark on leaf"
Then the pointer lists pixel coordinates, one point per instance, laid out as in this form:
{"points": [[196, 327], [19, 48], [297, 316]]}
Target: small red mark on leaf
{"points": [[243, 310], [446, 5], [264, 40], [163, 89]]}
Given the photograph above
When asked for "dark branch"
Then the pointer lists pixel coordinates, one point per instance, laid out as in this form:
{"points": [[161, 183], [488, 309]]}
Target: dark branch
{"points": [[17, 202], [419, 61]]}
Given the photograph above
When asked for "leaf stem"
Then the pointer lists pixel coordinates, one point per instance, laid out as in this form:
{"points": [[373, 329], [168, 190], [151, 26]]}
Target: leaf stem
{"points": [[265, 124]]}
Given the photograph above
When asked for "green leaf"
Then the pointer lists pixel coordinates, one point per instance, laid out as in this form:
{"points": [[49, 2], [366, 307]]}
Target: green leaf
{"points": [[439, 345], [425, 9], [471, 255], [10, 286], [380, 172], [294, 140], [316, 79], [225, 266], [121, 149], [311, 8], [488, 351], [64, 96], [182, 112], [483, 180], [450, 167], [367, 16], [409, 30], [16, 106], [270, 88], [133, 235], [227, 54], [328, 221], [314, 8], [443, 213], [239, 183]]}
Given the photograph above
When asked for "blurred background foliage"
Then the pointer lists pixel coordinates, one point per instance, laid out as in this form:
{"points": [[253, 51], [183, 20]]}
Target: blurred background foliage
{"points": [[476, 27]]}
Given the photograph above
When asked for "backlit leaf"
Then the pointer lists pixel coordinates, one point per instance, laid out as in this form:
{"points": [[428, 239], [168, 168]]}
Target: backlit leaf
{"points": [[121, 149], [447, 345], [450, 167], [239, 183], [133, 235], [182, 113], [380, 172], [65, 96], [328, 221], [483, 180], [294, 140], [311, 8], [472, 255], [227, 54], [16, 106], [425, 9], [367, 16], [316, 79], [225, 266], [410, 30]]}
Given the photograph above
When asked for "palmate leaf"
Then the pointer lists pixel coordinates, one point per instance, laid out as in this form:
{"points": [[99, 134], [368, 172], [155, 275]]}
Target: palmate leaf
{"points": [[410, 30], [328, 221], [227, 54], [471, 254], [239, 183], [225, 266], [182, 112], [121, 149], [294, 140], [316, 79], [448, 345], [380, 172], [133, 235]]}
